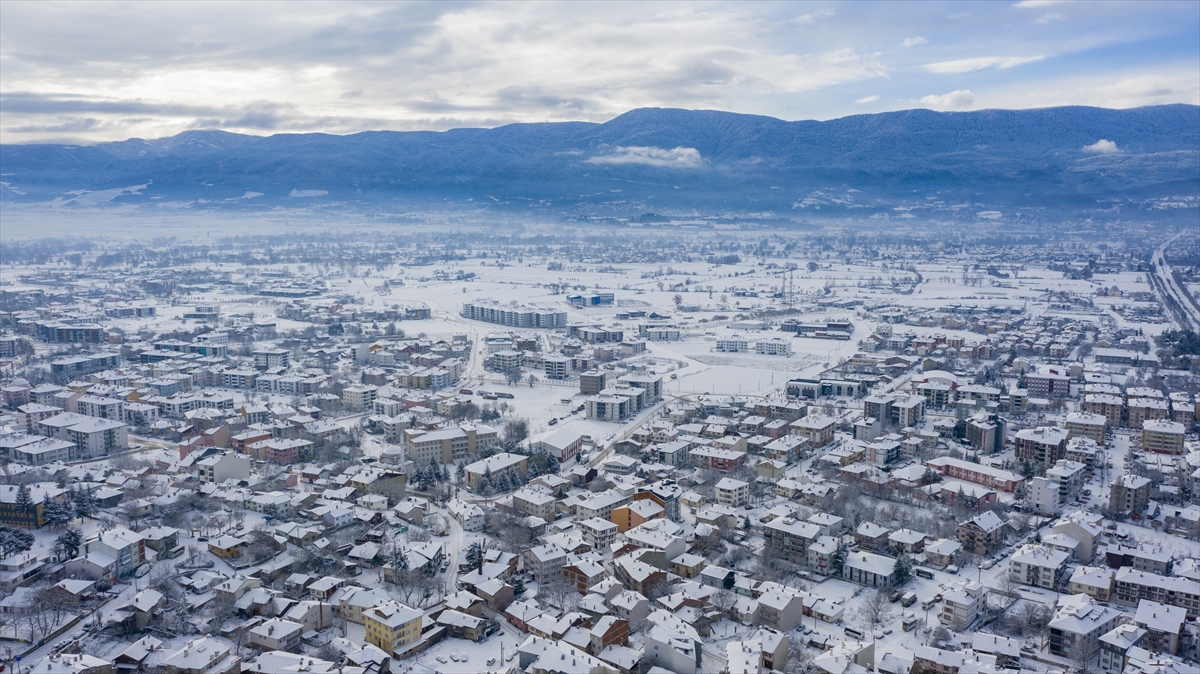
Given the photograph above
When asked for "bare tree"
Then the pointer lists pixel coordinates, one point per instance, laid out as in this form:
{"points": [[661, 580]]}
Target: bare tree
{"points": [[874, 611], [724, 601]]}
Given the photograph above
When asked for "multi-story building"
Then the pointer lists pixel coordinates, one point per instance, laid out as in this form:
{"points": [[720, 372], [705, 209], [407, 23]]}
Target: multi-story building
{"points": [[788, 539], [1068, 476], [1078, 624], [1116, 644], [514, 317], [1108, 405], [1162, 436], [732, 493], [1163, 625], [1048, 385], [392, 627], [536, 502], [359, 397], [1129, 493], [982, 534], [598, 533], [14, 514], [1142, 410], [1094, 581], [1038, 565], [449, 445], [994, 478], [1133, 586], [817, 429], [716, 458], [592, 382], [870, 569], [1043, 445], [733, 344], [963, 602], [494, 466], [270, 359], [123, 545], [1087, 425]]}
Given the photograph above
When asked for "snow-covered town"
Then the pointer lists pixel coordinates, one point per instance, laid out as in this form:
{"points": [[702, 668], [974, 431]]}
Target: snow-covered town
{"points": [[731, 451]]}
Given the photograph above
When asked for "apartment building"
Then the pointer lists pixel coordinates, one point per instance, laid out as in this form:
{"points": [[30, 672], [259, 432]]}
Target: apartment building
{"points": [[1087, 425], [1038, 565], [1129, 493], [1043, 445], [993, 478], [982, 534], [1132, 586], [963, 601], [1162, 436], [1068, 477], [449, 445], [1095, 581], [392, 627], [1078, 624], [598, 533], [732, 493], [789, 539], [817, 429]]}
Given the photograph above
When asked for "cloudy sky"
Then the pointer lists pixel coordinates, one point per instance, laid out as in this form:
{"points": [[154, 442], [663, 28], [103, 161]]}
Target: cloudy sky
{"points": [[93, 71]]}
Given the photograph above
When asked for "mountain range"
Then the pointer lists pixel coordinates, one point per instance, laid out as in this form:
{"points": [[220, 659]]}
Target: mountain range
{"points": [[992, 164]]}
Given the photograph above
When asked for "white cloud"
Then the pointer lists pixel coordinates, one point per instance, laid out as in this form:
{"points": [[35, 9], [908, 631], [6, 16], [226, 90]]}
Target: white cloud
{"points": [[867, 99], [307, 193], [1037, 3], [955, 100], [1102, 146], [979, 63], [1047, 18], [914, 41], [680, 157]]}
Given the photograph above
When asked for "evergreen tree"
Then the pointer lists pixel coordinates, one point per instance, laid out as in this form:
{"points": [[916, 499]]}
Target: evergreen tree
{"points": [[85, 505], [24, 502], [460, 471], [517, 585], [13, 541], [399, 560], [66, 546], [839, 558], [475, 555], [57, 513], [903, 568]]}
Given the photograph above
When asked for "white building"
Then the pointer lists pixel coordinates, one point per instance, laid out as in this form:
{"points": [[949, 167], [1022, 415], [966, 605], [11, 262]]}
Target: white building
{"points": [[734, 344], [1037, 565], [773, 347]]}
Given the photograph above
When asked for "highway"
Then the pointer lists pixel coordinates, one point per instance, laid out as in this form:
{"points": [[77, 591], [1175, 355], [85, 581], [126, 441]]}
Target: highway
{"points": [[1178, 304]]}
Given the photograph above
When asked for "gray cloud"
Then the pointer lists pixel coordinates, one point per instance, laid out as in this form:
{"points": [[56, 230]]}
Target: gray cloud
{"points": [[112, 70]]}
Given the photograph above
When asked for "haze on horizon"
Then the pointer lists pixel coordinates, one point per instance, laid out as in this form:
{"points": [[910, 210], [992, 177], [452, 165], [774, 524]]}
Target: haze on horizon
{"points": [[108, 71]]}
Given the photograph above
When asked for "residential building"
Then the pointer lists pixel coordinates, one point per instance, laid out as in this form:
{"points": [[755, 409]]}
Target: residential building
{"points": [[672, 644], [1068, 476], [1078, 623], [495, 465], [982, 534], [1116, 645], [1162, 436], [963, 602], [1044, 445], [817, 429], [789, 539], [276, 635], [1087, 425], [1163, 625], [206, 655], [1094, 581], [449, 445], [1129, 493], [392, 627], [732, 493], [218, 468], [994, 478], [1133, 586], [128, 548], [870, 569], [1037, 565]]}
